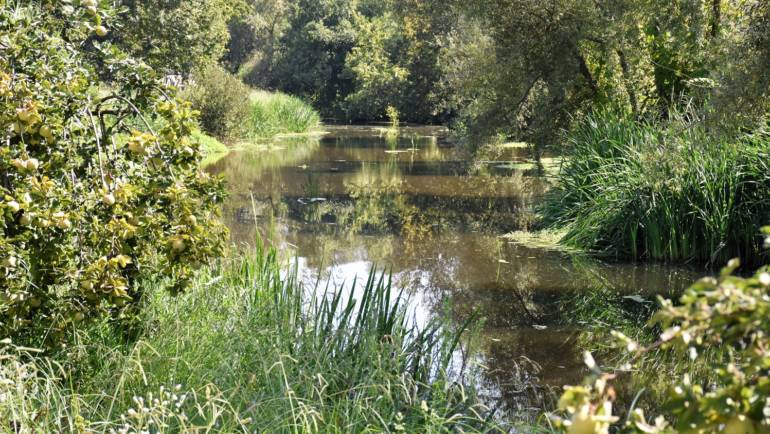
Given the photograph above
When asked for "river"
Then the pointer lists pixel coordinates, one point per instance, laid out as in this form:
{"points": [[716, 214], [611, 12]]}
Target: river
{"points": [[360, 197]]}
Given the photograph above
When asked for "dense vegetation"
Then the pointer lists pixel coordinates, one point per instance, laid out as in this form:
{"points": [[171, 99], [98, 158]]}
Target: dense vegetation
{"points": [[248, 349], [665, 190], [123, 313], [93, 197]]}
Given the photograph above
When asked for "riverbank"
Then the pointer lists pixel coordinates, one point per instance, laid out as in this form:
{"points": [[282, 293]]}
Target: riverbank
{"points": [[248, 349]]}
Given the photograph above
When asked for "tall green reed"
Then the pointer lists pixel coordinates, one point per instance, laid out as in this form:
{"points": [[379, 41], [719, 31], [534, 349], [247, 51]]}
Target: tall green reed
{"points": [[277, 113], [670, 191], [251, 349]]}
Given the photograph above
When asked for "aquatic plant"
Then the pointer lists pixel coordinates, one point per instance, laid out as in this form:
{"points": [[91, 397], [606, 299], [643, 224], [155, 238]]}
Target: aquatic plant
{"points": [[662, 190]]}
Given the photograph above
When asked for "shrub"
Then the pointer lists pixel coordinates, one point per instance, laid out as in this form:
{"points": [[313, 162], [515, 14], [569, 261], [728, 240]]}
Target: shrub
{"points": [[727, 313], [84, 215], [662, 190], [222, 100]]}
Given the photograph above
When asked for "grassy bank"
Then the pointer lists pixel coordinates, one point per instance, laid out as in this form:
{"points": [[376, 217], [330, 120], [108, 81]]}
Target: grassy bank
{"points": [[662, 191], [211, 148], [247, 350], [234, 112]]}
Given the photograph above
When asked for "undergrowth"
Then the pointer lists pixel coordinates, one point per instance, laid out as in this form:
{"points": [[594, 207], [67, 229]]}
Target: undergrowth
{"points": [[248, 349]]}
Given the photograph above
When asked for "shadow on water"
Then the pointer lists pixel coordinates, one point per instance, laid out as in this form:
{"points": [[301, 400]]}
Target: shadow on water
{"points": [[361, 196]]}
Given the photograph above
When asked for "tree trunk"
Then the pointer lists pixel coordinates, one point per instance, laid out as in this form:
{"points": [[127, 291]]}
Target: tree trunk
{"points": [[716, 17], [628, 82]]}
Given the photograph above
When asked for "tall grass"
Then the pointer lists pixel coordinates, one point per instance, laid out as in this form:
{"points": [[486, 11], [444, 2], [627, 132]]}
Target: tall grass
{"points": [[249, 350], [666, 191], [278, 113]]}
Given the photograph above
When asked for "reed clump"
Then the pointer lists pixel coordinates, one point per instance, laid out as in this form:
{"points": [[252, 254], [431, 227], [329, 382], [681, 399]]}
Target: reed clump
{"points": [[662, 190], [249, 349], [275, 113]]}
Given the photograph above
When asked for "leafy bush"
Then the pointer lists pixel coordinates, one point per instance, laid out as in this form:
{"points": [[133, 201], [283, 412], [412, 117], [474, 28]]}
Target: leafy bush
{"points": [[277, 113], [83, 214], [222, 100], [662, 191], [727, 313]]}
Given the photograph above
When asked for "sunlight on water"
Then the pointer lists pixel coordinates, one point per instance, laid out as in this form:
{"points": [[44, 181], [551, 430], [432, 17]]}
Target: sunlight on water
{"points": [[413, 205]]}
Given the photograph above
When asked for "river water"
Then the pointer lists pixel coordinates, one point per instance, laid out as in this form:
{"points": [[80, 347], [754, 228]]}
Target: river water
{"points": [[360, 197]]}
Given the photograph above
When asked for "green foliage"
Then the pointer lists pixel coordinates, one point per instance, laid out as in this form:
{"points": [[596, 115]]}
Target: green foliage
{"points": [[378, 81], [278, 113], [222, 100], [85, 214], [178, 36], [727, 313], [350, 59], [663, 191], [253, 351], [521, 68], [254, 42]]}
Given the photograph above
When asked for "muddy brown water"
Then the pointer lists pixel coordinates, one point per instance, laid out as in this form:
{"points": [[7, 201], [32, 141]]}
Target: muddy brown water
{"points": [[361, 197]]}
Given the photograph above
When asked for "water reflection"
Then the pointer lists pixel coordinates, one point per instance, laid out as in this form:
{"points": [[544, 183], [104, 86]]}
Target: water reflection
{"points": [[361, 197]]}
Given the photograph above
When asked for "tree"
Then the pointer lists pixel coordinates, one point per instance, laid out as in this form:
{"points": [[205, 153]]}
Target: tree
{"points": [[100, 184], [311, 62], [255, 38], [178, 36], [547, 62]]}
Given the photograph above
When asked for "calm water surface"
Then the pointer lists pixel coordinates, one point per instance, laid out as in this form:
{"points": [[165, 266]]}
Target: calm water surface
{"points": [[360, 197]]}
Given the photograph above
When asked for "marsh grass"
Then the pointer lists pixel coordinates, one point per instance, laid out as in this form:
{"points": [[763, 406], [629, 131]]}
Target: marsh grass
{"points": [[278, 113], [248, 349], [668, 191]]}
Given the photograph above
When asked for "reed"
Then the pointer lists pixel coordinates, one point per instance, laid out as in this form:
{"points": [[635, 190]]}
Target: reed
{"points": [[278, 113], [668, 191], [248, 349]]}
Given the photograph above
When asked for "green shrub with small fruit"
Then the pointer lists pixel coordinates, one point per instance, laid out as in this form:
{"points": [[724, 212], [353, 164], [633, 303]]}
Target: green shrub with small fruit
{"points": [[727, 317], [84, 213]]}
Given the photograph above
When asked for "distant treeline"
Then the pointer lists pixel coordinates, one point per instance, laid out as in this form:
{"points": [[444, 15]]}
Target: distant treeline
{"points": [[517, 68]]}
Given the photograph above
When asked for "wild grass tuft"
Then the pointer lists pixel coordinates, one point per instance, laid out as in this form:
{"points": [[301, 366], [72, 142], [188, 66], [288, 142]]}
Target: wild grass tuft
{"points": [[669, 191], [278, 113], [248, 349]]}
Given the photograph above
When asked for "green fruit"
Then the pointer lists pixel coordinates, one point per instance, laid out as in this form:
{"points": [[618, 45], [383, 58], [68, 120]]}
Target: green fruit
{"points": [[10, 262], [46, 132], [135, 147], [178, 245], [101, 30], [108, 199], [740, 425], [26, 219], [24, 115], [64, 224]]}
